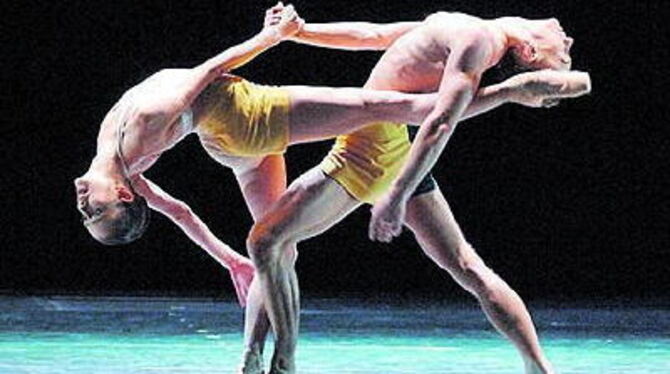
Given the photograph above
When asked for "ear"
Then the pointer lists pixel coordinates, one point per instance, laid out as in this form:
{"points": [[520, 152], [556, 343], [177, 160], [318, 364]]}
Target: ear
{"points": [[124, 194], [528, 51]]}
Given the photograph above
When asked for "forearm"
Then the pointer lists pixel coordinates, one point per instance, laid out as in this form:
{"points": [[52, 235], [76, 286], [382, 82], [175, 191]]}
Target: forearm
{"points": [[352, 35], [182, 215], [429, 143], [240, 54], [200, 234]]}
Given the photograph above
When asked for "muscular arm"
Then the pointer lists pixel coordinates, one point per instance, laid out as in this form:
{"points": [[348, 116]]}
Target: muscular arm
{"points": [[353, 35], [467, 61], [457, 89], [182, 215], [165, 106]]}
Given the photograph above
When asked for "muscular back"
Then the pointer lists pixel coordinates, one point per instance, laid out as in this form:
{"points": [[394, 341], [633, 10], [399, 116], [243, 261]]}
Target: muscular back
{"points": [[415, 62]]}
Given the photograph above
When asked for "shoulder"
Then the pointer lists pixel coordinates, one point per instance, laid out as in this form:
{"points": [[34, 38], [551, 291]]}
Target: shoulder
{"points": [[439, 16], [459, 29], [165, 77], [473, 50], [450, 19]]}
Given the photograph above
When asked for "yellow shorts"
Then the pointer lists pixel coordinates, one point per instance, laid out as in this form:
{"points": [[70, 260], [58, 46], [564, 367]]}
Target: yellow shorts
{"points": [[367, 161], [244, 119]]}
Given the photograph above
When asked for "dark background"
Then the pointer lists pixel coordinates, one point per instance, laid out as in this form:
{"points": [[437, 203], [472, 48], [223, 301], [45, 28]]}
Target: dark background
{"points": [[570, 202]]}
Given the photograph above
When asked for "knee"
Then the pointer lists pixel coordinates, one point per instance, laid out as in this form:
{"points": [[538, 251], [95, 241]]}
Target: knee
{"points": [[263, 244], [474, 275]]}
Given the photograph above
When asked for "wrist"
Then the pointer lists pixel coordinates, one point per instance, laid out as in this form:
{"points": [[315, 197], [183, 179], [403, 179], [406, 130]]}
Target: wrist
{"points": [[234, 262], [269, 37], [298, 35], [398, 193]]}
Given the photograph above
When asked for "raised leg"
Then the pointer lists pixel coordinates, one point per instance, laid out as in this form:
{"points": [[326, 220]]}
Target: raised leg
{"points": [[319, 113], [311, 205], [440, 237]]}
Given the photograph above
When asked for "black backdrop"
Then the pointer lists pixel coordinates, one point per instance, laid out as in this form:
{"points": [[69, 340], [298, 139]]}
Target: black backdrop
{"points": [[567, 202]]}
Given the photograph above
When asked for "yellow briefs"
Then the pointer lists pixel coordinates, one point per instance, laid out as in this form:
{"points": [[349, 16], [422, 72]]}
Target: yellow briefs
{"points": [[367, 161], [244, 119]]}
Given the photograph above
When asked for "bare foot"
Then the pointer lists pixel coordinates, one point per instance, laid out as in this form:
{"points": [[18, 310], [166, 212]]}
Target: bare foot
{"points": [[252, 363], [545, 88], [532, 367]]}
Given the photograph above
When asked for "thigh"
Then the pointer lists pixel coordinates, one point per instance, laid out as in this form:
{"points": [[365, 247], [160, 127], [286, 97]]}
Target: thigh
{"points": [[318, 113], [312, 204]]}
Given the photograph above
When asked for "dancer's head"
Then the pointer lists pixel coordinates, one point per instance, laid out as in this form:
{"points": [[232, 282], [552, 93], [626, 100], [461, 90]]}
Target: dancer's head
{"points": [[112, 212], [539, 44]]}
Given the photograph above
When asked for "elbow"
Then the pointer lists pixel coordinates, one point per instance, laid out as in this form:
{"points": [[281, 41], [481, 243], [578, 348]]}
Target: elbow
{"points": [[374, 39], [438, 130], [209, 70]]}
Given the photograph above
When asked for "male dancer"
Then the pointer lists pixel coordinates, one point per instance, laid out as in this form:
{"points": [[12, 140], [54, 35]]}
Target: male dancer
{"points": [[447, 52]]}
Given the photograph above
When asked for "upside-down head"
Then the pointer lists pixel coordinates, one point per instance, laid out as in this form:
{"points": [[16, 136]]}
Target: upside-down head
{"points": [[112, 212], [543, 45]]}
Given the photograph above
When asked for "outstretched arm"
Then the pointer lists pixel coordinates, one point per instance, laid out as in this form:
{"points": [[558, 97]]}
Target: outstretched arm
{"points": [[353, 35], [345, 35], [181, 214], [287, 24], [460, 80], [165, 106]]}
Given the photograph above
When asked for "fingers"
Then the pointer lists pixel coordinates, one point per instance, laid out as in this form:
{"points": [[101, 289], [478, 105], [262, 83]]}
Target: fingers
{"points": [[273, 15], [241, 297], [275, 9], [383, 231], [289, 14]]}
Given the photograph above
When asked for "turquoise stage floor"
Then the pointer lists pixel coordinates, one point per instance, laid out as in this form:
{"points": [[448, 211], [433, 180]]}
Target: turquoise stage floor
{"points": [[156, 335]]}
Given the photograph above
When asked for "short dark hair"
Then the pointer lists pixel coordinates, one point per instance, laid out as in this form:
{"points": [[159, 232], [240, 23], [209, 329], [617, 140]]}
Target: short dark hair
{"points": [[507, 67], [131, 222]]}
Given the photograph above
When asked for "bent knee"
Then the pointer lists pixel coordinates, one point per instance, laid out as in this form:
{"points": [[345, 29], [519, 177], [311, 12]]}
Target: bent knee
{"points": [[472, 273], [264, 244]]}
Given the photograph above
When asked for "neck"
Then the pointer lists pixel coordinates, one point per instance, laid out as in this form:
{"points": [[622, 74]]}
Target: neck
{"points": [[107, 161], [110, 139], [108, 165]]}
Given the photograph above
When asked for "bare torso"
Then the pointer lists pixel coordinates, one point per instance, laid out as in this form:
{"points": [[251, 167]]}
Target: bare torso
{"points": [[145, 142], [416, 61]]}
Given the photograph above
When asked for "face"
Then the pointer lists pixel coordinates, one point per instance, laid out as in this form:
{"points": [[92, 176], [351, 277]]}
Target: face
{"points": [[551, 46], [98, 201]]}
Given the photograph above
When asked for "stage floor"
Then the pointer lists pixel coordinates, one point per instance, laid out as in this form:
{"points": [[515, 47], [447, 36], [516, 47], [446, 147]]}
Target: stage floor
{"points": [[157, 335]]}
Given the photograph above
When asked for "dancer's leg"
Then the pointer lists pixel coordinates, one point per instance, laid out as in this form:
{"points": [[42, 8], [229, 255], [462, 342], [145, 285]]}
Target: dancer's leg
{"points": [[318, 113], [311, 205], [436, 230]]}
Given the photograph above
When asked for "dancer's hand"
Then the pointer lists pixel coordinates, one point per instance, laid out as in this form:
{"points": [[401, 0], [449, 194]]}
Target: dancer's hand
{"points": [[545, 88], [284, 20], [242, 274], [388, 214]]}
